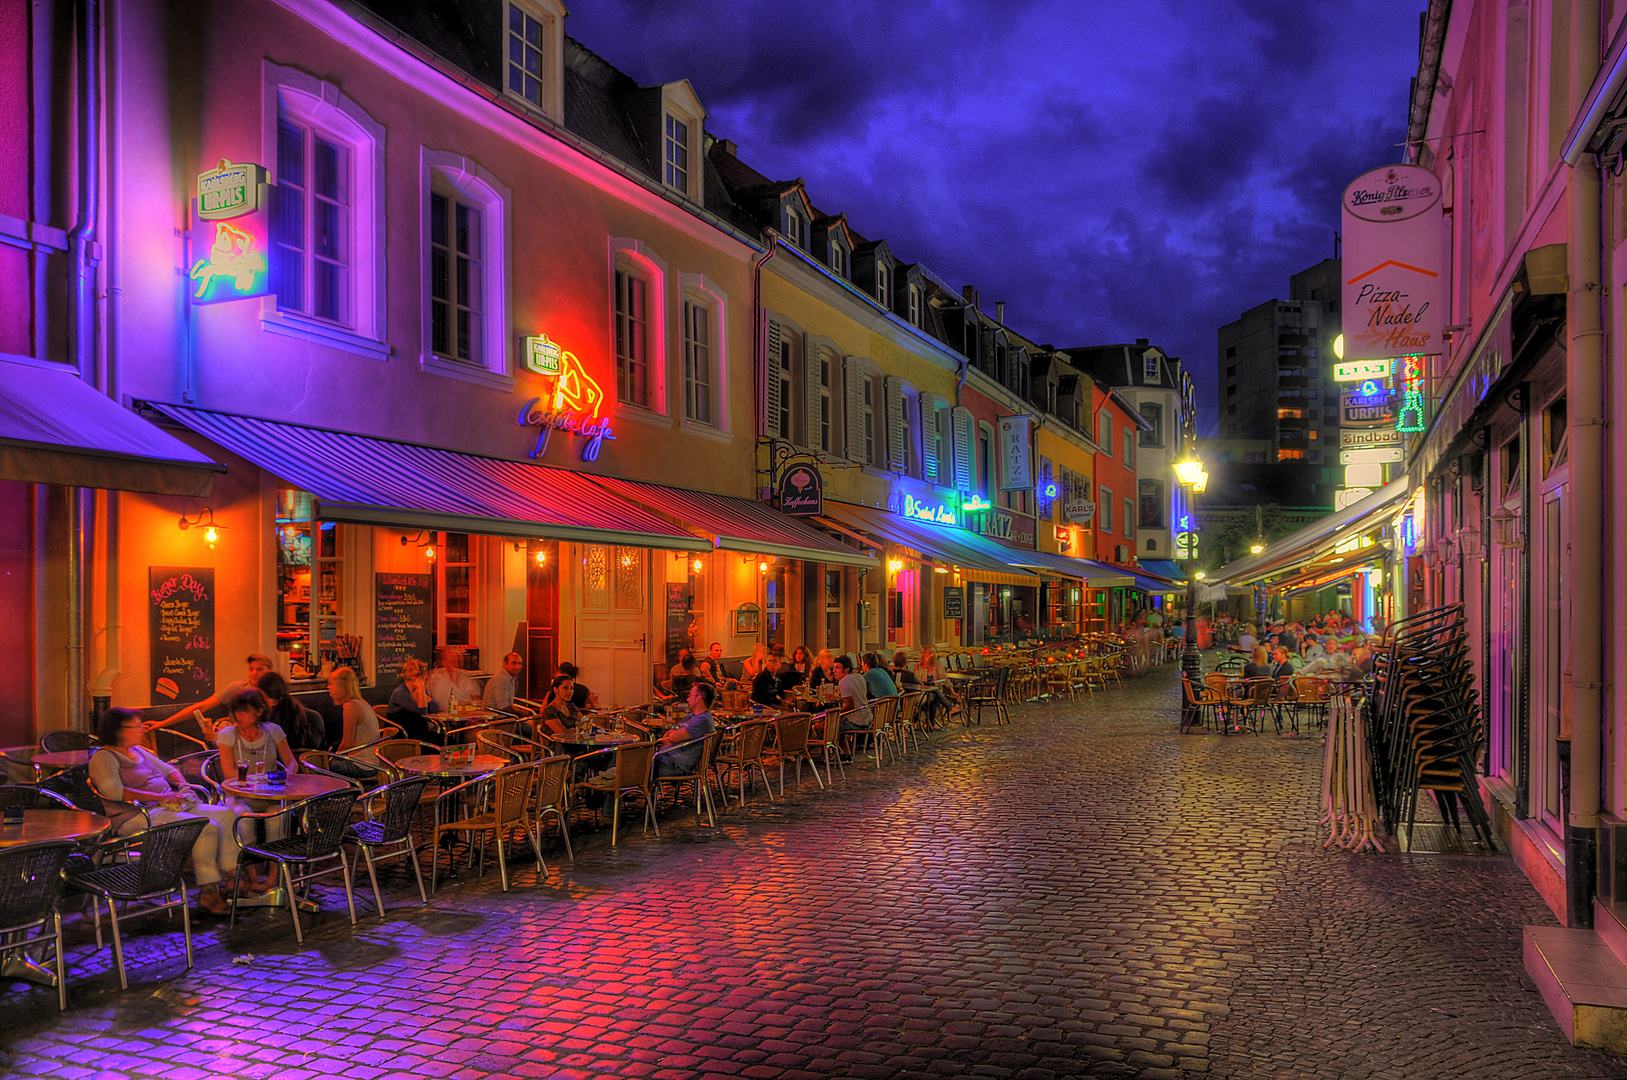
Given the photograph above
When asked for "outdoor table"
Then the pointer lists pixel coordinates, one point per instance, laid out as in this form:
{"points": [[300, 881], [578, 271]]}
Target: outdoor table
{"points": [[299, 786], [62, 759], [41, 826], [432, 765]]}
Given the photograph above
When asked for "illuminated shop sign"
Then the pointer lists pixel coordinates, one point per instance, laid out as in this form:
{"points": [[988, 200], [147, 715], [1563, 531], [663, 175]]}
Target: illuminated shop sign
{"points": [[974, 503], [570, 403], [1411, 417], [1368, 410], [1344, 497], [229, 191], [235, 267], [1357, 370], [926, 511]]}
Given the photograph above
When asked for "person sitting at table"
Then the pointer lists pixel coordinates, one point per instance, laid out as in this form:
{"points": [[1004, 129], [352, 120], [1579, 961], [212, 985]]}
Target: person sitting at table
{"points": [[824, 670], [754, 664], [448, 684], [361, 723], [684, 760], [711, 665], [802, 663], [504, 685], [411, 706], [258, 663], [125, 772], [767, 689], [303, 726], [560, 716], [688, 675], [251, 738], [880, 683], [790, 677], [1281, 664], [930, 670], [855, 694], [678, 668], [1259, 665], [903, 674]]}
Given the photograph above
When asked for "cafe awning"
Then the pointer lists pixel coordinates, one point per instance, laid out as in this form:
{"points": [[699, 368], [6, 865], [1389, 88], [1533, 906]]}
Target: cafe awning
{"points": [[1164, 568], [734, 524], [1316, 539], [956, 547], [367, 481], [54, 429]]}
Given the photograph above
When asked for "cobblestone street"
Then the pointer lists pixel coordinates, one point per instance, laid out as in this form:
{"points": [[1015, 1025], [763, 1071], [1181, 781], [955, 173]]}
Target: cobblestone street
{"points": [[1082, 893]]}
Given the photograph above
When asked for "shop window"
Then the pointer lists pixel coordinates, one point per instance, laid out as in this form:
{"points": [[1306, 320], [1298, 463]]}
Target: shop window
{"points": [[774, 603], [456, 570], [833, 610], [311, 589]]}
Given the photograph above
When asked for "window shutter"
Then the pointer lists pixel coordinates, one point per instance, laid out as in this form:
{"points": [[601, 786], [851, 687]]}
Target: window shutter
{"points": [[772, 399], [897, 432], [853, 376], [963, 428], [930, 432], [812, 354]]}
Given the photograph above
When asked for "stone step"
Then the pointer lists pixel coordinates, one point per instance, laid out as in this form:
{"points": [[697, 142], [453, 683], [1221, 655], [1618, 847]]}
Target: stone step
{"points": [[1583, 983], [1610, 923]]}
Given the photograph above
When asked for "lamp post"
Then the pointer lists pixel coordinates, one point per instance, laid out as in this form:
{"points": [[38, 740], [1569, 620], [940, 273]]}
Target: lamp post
{"points": [[1189, 471]]}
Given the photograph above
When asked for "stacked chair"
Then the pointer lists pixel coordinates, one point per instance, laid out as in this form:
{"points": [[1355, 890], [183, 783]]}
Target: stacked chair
{"points": [[1425, 726]]}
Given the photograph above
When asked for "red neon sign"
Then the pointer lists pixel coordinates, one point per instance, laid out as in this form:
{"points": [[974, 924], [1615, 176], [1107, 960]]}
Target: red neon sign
{"points": [[570, 403]]}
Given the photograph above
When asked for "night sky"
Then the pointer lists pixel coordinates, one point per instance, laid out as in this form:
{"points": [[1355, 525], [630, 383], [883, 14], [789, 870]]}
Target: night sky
{"points": [[1111, 170]]}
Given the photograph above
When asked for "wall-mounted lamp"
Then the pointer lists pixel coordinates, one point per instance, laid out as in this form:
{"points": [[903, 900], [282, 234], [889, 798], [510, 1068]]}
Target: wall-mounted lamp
{"points": [[697, 566], [940, 570], [205, 520], [895, 565], [762, 567], [423, 539]]}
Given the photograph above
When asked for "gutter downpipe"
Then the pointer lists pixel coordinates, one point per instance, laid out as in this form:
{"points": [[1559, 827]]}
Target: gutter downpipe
{"points": [[1585, 397], [101, 690], [82, 316]]}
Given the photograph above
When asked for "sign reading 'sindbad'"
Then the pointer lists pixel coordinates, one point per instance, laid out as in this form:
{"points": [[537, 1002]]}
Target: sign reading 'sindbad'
{"points": [[1393, 259]]}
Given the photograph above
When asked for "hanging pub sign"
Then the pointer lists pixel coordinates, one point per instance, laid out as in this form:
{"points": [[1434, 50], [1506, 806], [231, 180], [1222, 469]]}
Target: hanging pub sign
{"points": [[1372, 409], [1016, 466], [232, 236], [802, 492], [1079, 511], [1392, 264], [1411, 416], [571, 399], [1357, 370], [1368, 438]]}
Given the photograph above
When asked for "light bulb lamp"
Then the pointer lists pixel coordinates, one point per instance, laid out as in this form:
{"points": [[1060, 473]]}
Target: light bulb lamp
{"points": [[1189, 472], [205, 521], [423, 539]]}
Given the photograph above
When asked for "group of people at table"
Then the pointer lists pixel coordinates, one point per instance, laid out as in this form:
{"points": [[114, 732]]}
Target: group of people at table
{"points": [[1329, 647]]}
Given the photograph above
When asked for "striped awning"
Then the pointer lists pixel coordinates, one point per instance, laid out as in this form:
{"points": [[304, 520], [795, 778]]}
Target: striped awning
{"points": [[956, 547], [735, 524], [369, 481]]}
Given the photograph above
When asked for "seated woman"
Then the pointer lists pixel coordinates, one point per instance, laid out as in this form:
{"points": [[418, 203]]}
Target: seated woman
{"points": [[124, 771], [1259, 666], [361, 723], [411, 706], [754, 665], [252, 739], [802, 663], [824, 670], [930, 670], [302, 726], [560, 715], [903, 674]]}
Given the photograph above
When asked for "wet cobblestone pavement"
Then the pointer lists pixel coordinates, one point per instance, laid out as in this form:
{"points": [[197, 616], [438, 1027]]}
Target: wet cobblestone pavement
{"points": [[1081, 893]]}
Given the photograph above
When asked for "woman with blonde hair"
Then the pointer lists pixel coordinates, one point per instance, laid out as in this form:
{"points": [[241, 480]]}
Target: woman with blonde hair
{"points": [[361, 723], [411, 706], [754, 664]]}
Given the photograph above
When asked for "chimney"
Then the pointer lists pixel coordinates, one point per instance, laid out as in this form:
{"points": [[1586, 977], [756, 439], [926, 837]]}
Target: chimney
{"points": [[1000, 312], [728, 147], [968, 294], [1141, 341]]}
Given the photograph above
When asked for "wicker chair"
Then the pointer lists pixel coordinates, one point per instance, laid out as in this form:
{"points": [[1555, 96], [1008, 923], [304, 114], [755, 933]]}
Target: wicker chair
{"points": [[828, 743], [325, 819], [390, 828], [884, 727], [510, 797], [508, 745], [1202, 703], [635, 765], [389, 751], [171, 745], [30, 890], [749, 740], [60, 742], [154, 876], [358, 774], [791, 737], [553, 797], [703, 772]]}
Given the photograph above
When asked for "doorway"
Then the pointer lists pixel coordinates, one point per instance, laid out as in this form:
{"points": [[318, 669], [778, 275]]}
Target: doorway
{"points": [[612, 623]]}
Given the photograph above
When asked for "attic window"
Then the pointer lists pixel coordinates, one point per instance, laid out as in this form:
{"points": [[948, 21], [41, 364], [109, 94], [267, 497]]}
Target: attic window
{"points": [[677, 145], [525, 38], [793, 226], [838, 257], [1149, 368], [531, 54], [915, 305], [881, 284]]}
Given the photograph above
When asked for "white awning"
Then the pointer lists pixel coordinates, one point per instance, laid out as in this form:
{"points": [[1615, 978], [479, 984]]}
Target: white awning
{"points": [[1316, 538]]}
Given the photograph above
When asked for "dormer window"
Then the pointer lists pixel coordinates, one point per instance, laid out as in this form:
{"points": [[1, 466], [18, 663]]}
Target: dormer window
{"points": [[677, 145], [793, 226], [915, 305], [883, 280], [1149, 368], [838, 257], [533, 48]]}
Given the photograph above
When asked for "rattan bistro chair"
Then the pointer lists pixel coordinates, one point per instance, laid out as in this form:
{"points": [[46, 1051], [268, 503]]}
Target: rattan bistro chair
{"points": [[700, 777], [58, 742], [791, 734], [747, 755], [510, 798], [32, 798], [324, 820], [30, 889], [152, 875], [553, 797], [389, 830], [635, 765]]}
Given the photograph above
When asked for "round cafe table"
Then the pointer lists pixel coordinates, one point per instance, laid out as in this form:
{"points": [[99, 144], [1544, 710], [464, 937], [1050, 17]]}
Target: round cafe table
{"points": [[62, 759], [299, 786], [432, 765], [40, 826]]}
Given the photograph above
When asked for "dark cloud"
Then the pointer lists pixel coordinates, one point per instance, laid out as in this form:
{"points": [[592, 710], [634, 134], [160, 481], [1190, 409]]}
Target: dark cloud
{"points": [[1113, 169]]}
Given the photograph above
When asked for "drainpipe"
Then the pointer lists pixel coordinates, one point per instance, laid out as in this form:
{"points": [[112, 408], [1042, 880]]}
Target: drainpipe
{"points": [[101, 691], [1585, 396]]}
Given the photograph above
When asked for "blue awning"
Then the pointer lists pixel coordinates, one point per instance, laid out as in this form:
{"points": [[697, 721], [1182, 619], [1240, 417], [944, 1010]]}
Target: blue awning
{"points": [[1167, 568], [957, 547], [55, 429]]}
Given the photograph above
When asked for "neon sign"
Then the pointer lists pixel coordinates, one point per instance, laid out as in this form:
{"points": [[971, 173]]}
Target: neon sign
{"points": [[976, 502], [235, 268], [571, 401], [1050, 490], [925, 511], [229, 191], [1357, 370], [1411, 416]]}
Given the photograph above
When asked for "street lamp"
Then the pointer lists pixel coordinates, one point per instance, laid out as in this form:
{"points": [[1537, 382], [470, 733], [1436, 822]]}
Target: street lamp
{"points": [[1189, 471]]}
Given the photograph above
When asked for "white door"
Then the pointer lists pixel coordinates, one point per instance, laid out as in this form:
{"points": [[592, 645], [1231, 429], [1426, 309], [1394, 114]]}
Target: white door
{"points": [[612, 624]]}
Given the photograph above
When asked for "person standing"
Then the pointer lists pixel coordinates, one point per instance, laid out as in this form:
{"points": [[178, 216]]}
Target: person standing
{"points": [[258, 665], [448, 684]]}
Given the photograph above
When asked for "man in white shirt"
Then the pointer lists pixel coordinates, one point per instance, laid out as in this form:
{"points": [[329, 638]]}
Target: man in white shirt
{"points": [[447, 683], [855, 694], [258, 663], [502, 687]]}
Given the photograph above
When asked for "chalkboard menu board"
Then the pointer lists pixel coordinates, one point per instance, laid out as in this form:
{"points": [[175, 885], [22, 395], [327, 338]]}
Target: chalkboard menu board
{"points": [[954, 601], [680, 632], [181, 627], [402, 623]]}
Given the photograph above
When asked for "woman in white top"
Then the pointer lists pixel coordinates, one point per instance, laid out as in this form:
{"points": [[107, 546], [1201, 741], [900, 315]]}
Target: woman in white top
{"points": [[361, 722], [251, 738], [124, 771]]}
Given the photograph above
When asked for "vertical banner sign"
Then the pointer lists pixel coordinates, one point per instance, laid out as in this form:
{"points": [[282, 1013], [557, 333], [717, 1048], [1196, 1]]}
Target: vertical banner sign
{"points": [[181, 628], [1394, 290], [402, 623], [231, 244], [1016, 466]]}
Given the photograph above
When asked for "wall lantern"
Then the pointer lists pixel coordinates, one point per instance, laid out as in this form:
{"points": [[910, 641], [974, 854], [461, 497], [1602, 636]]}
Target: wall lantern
{"points": [[895, 565], [425, 540], [204, 520]]}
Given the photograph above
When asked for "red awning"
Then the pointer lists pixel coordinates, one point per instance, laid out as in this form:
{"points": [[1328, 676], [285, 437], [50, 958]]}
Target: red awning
{"points": [[735, 524], [368, 481]]}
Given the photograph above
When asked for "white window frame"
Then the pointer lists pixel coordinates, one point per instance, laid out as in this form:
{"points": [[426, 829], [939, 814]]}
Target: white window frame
{"points": [[552, 17], [875, 435], [321, 105], [1104, 432], [1149, 367], [700, 289], [796, 224], [883, 291], [630, 254], [838, 254], [823, 351], [680, 103], [446, 171], [915, 305]]}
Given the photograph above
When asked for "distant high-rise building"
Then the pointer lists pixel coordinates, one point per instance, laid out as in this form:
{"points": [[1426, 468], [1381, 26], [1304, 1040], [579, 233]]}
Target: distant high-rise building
{"points": [[1276, 384]]}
